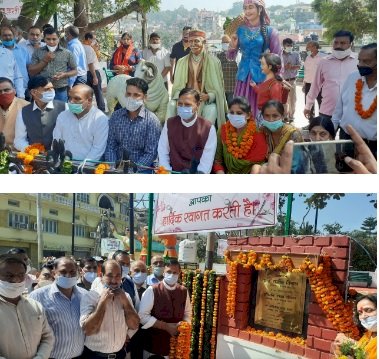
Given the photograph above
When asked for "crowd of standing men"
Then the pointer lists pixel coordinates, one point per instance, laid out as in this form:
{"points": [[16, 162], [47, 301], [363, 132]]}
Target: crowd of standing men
{"points": [[89, 309], [226, 113]]}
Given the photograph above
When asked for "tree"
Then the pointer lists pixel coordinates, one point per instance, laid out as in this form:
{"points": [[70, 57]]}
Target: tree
{"points": [[369, 225], [347, 14], [334, 228], [363, 259], [88, 15]]}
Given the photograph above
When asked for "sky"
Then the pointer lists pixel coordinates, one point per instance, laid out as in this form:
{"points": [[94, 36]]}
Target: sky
{"points": [[216, 5], [349, 211]]}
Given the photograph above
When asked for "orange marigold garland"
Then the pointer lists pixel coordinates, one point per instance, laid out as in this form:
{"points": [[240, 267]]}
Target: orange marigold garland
{"points": [[215, 316], [239, 149], [328, 296], [202, 313], [101, 168], [365, 114], [180, 345], [28, 156], [161, 170]]}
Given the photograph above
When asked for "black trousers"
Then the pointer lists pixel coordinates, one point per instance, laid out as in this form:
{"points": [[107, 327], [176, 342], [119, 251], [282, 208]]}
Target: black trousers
{"points": [[96, 89], [307, 87], [89, 354]]}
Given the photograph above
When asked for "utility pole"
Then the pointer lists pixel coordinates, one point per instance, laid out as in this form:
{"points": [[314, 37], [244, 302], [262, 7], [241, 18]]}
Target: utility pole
{"points": [[73, 224], [131, 223], [39, 230], [150, 229], [316, 219], [209, 251], [287, 227]]}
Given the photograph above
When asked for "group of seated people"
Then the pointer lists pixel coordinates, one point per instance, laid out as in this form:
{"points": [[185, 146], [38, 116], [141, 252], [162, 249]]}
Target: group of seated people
{"points": [[186, 143]]}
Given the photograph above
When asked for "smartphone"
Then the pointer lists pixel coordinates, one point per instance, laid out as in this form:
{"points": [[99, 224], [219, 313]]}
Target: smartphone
{"points": [[322, 157]]}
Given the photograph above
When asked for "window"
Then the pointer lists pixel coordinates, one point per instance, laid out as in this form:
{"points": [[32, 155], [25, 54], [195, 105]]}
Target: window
{"points": [[18, 220], [53, 211], [12, 202], [80, 231], [49, 225], [82, 197], [124, 208]]}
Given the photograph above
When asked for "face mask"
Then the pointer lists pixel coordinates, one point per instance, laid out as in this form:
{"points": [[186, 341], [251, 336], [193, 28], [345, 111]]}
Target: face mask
{"points": [[131, 104], [125, 271], [273, 126], [225, 46], [237, 121], [365, 70], [370, 323], [309, 53], [66, 282], [11, 290], [47, 96], [139, 278], [52, 48], [9, 43], [171, 279], [341, 54], [76, 108], [185, 112], [90, 276], [158, 271], [155, 46], [288, 50], [6, 99], [28, 268]]}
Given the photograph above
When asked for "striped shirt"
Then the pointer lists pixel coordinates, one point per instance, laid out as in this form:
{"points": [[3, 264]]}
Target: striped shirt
{"points": [[139, 137], [229, 70], [63, 315], [113, 330]]}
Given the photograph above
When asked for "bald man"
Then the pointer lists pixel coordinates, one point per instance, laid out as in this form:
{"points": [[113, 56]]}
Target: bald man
{"points": [[101, 316], [83, 127], [138, 272], [157, 267], [229, 69]]}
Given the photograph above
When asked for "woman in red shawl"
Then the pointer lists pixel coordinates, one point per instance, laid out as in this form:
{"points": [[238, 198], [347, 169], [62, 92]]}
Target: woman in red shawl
{"points": [[126, 56]]}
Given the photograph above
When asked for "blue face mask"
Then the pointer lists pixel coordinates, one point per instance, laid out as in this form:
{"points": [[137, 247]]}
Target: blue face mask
{"points": [[158, 271], [90, 276], [48, 96], [66, 282], [125, 271], [185, 112], [76, 108], [273, 126], [9, 43]]}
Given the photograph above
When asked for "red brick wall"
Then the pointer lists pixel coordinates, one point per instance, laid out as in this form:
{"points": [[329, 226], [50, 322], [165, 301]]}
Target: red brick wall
{"points": [[320, 333]]}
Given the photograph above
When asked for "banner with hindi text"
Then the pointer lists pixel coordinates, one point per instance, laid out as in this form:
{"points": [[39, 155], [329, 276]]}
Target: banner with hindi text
{"points": [[195, 212]]}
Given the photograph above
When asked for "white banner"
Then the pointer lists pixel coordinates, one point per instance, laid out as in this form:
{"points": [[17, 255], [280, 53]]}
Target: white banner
{"points": [[197, 212], [11, 8], [109, 245]]}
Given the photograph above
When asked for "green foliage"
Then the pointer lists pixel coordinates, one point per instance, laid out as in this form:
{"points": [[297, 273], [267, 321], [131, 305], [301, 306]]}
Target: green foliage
{"points": [[369, 225], [334, 228], [320, 200], [359, 258], [348, 15]]}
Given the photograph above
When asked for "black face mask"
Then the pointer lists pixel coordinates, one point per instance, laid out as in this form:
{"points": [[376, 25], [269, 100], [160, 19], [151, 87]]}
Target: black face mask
{"points": [[365, 70]]}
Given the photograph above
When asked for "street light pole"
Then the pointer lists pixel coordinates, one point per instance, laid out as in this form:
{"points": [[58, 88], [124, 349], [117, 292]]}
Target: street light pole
{"points": [[73, 224], [209, 251], [39, 230], [288, 214], [150, 229]]}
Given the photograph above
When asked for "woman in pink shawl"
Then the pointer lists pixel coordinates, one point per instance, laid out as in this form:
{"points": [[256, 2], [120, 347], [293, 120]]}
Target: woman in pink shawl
{"points": [[253, 37]]}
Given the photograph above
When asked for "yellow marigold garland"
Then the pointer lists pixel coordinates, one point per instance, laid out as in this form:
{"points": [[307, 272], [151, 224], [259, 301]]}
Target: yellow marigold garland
{"points": [[180, 345], [215, 316], [202, 313], [328, 296], [101, 168], [28, 156]]}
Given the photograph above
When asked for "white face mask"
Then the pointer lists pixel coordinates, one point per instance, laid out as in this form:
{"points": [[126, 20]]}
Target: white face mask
{"points": [[225, 46], [11, 290], [237, 121], [288, 50], [171, 279], [139, 278], [131, 104], [28, 268], [155, 46], [309, 53], [338, 54], [90, 276], [52, 48], [370, 323]]}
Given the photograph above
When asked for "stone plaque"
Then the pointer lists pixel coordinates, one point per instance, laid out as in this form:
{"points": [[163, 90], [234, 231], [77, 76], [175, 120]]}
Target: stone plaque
{"points": [[280, 300]]}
